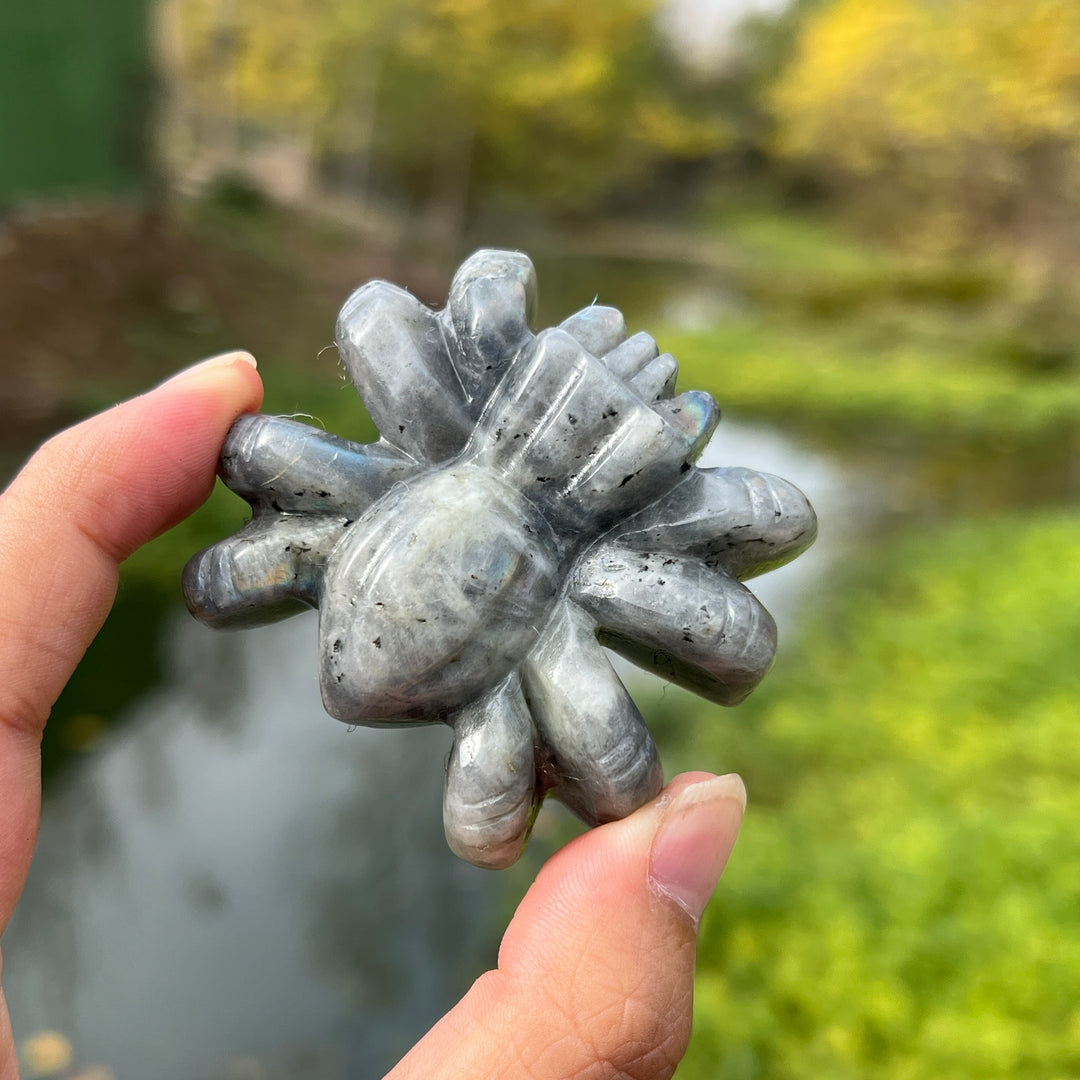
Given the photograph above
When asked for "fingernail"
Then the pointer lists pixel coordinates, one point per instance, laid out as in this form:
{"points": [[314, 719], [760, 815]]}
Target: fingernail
{"points": [[196, 371], [694, 841]]}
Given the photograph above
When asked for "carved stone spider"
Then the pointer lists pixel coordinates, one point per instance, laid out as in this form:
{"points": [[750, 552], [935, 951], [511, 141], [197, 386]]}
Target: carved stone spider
{"points": [[531, 502]]}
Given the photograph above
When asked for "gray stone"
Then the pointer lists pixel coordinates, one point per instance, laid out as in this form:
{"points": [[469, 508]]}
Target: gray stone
{"points": [[532, 501]]}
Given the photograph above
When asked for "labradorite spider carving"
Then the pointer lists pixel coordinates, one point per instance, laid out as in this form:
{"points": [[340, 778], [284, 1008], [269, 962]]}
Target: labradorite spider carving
{"points": [[532, 501]]}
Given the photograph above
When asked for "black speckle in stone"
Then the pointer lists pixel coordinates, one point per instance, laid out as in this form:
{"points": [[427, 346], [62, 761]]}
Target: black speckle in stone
{"points": [[337, 645], [377, 643]]}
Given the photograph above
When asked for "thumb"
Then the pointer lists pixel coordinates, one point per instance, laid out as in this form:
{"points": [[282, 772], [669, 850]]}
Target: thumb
{"points": [[596, 970]]}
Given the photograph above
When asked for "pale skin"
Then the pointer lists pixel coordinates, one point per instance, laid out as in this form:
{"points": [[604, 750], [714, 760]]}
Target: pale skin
{"points": [[595, 972]]}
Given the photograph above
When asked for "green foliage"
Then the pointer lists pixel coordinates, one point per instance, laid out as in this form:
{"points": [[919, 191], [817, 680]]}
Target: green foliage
{"points": [[839, 336], [873, 376], [556, 103], [74, 98], [904, 899]]}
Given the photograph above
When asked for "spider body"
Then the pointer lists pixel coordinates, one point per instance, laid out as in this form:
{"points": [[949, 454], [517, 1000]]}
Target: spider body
{"points": [[445, 580]]}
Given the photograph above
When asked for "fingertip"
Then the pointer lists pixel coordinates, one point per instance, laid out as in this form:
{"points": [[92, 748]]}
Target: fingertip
{"points": [[218, 362], [693, 843], [150, 460], [596, 969], [673, 849], [232, 375]]}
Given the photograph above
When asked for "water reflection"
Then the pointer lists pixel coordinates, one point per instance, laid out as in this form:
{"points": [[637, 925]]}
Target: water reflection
{"points": [[233, 881], [235, 874]]}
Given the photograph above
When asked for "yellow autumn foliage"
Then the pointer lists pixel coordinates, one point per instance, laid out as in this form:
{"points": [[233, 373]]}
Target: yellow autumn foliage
{"points": [[872, 82], [552, 101]]}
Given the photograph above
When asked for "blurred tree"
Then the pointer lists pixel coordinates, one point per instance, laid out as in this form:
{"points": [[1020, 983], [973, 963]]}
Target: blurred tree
{"points": [[452, 101], [972, 104], [761, 47]]}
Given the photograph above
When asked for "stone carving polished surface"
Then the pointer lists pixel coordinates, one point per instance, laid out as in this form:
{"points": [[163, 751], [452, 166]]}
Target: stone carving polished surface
{"points": [[532, 501]]}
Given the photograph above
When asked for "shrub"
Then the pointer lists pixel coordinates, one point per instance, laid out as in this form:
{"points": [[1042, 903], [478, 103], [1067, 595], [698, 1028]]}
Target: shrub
{"points": [[904, 899]]}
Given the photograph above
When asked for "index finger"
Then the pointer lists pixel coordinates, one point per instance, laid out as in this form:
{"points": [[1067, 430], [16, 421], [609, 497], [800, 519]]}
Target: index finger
{"points": [[81, 505]]}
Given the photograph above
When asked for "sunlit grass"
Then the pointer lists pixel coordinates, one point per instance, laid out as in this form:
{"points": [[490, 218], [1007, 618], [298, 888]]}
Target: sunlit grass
{"points": [[860, 377], [851, 338], [903, 901], [801, 242]]}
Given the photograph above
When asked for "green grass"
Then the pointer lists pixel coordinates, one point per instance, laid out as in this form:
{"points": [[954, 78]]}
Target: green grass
{"points": [[802, 243], [860, 377], [850, 338], [905, 899]]}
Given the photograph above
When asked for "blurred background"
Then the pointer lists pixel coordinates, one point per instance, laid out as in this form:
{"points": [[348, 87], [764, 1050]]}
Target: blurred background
{"points": [[856, 224]]}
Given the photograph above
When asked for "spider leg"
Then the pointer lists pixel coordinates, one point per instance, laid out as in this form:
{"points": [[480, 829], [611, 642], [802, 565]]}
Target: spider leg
{"points": [[597, 329], [490, 798], [269, 570], [604, 759], [697, 627], [279, 464], [576, 440], [394, 350], [628, 358], [601, 331], [739, 520], [657, 378], [491, 300]]}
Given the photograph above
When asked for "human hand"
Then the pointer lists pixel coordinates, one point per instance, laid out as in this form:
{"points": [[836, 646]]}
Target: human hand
{"points": [[596, 970]]}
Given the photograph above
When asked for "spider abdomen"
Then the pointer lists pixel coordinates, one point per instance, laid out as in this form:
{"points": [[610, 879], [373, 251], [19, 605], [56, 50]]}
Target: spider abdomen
{"points": [[438, 589]]}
